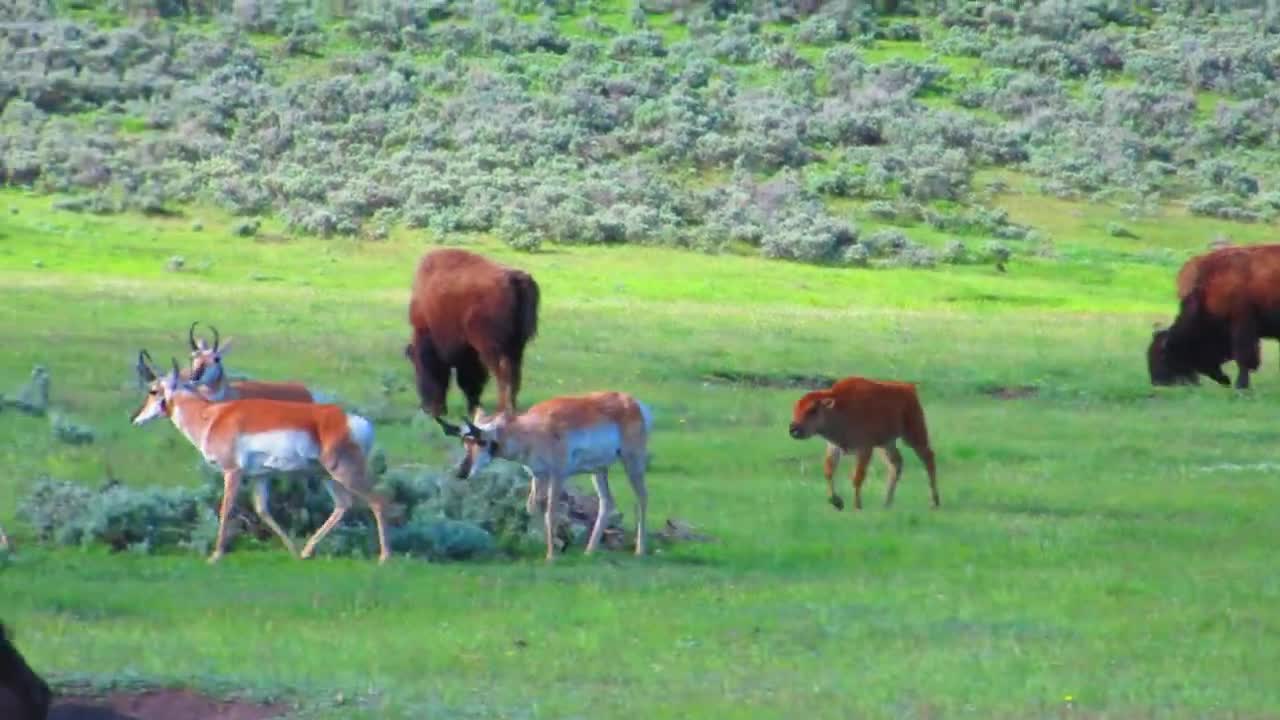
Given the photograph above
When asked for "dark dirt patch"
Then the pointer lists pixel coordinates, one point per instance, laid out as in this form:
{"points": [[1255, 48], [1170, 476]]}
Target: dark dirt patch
{"points": [[1011, 392], [773, 380], [160, 705]]}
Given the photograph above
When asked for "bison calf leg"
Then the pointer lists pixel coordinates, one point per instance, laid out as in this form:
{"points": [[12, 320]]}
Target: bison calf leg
{"points": [[925, 453], [894, 459], [860, 476], [829, 465]]}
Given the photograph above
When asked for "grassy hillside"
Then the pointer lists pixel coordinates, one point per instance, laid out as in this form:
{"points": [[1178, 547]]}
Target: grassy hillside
{"points": [[815, 131], [1104, 549]]}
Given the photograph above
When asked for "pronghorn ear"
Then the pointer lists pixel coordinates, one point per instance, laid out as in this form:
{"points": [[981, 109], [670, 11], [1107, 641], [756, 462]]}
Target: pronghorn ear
{"points": [[450, 430], [224, 347]]}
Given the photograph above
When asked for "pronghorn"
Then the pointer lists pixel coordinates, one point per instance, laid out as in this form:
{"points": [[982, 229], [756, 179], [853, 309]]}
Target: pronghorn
{"points": [[256, 437], [210, 376], [562, 437]]}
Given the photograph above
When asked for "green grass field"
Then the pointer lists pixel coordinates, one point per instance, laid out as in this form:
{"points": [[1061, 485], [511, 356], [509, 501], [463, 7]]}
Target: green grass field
{"points": [[1098, 540]]}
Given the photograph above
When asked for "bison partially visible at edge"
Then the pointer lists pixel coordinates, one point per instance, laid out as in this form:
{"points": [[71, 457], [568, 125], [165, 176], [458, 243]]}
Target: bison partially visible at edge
{"points": [[474, 315], [1229, 299]]}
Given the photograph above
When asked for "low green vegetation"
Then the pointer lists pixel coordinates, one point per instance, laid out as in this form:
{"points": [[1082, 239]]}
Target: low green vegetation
{"points": [[725, 204], [1097, 539]]}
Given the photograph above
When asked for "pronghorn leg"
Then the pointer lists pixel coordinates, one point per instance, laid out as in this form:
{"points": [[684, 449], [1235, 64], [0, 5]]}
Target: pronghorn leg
{"points": [[635, 467], [261, 496], [554, 484], [860, 475], [230, 488], [341, 501], [603, 509], [829, 465], [531, 504], [4, 540], [894, 459], [351, 477]]}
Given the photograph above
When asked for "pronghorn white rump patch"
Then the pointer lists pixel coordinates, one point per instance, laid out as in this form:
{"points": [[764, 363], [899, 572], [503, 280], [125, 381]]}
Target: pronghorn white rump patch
{"points": [[282, 450], [361, 433]]}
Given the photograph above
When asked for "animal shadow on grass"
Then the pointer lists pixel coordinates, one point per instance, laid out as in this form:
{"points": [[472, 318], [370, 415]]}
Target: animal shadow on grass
{"points": [[768, 380], [1033, 509], [160, 705]]}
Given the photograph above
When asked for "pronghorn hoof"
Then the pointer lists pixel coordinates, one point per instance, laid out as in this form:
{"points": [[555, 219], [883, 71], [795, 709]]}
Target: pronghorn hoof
{"points": [[836, 502], [214, 558]]}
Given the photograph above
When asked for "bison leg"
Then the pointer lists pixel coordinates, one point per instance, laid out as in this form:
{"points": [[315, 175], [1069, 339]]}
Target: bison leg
{"points": [[860, 476], [894, 459], [1218, 376], [472, 377], [829, 465], [1245, 347], [432, 374]]}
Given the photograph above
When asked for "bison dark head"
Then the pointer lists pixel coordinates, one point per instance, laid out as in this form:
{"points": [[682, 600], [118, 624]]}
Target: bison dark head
{"points": [[1173, 361]]}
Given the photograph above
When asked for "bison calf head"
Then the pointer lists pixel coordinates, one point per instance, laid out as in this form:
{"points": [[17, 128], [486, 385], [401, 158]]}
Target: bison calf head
{"points": [[809, 415]]}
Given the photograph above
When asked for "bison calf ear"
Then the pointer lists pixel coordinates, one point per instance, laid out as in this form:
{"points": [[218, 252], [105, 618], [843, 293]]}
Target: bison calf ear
{"points": [[828, 403], [408, 351]]}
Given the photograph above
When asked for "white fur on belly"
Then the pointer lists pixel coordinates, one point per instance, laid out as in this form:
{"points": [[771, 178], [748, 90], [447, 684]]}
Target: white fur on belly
{"points": [[281, 450], [592, 448]]}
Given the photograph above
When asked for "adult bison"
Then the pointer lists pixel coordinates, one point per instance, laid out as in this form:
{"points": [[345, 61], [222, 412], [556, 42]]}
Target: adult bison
{"points": [[24, 695], [1229, 299], [472, 314]]}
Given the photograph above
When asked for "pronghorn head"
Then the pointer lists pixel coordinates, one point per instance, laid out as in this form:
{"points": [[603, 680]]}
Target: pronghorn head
{"points": [[809, 415], [480, 439], [160, 390], [206, 360]]}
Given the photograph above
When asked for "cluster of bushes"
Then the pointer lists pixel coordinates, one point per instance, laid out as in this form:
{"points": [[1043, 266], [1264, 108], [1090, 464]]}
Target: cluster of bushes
{"points": [[466, 117], [433, 515]]}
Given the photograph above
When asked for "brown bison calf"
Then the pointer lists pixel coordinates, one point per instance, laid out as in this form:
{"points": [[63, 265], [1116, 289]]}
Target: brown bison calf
{"points": [[858, 415]]}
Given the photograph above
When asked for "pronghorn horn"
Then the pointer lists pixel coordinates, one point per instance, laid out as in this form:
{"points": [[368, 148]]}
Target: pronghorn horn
{"points": [[144, 366], [449, 428], [191, 336], [216, 339], [174, 360]]}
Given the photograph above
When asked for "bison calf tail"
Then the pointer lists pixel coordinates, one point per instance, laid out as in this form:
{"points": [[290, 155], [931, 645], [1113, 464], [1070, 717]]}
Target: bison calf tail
{"points": [[526, 309]]}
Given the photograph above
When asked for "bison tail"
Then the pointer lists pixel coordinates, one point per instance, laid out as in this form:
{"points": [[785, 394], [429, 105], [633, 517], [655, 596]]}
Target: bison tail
{"points": [[527, 296]]}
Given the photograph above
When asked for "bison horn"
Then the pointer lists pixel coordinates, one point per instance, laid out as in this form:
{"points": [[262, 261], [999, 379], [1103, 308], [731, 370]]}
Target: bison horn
{"points": [[191, 336], [450, 429]]}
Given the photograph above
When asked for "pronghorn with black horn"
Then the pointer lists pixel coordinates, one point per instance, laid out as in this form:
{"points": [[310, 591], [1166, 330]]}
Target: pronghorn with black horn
{"points": [[209, 375], [562, 437], [253, 438]]}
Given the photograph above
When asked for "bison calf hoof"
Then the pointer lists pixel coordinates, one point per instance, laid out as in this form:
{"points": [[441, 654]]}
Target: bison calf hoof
{"points": [[836, 502]]}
